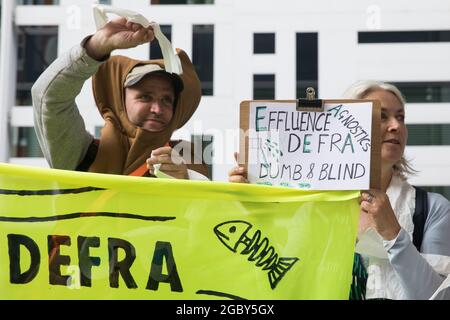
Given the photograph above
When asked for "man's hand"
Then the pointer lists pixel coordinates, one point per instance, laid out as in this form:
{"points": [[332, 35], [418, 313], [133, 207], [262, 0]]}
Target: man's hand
{"points": [[238, 174], [171, 163], [377, 211], [117, 34]]}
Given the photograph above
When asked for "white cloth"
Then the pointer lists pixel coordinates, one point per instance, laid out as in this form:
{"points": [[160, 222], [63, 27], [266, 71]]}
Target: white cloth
{"points": [[395, 268], [192, 175], [382, 280]]}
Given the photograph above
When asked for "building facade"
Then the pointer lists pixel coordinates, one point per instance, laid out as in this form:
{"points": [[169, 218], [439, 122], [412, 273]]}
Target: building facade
{"points": [[250, 49]]}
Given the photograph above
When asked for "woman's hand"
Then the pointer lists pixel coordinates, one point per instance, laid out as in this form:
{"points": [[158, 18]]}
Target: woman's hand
{"points": [[117, 34], [171, 163], [238, 174], [377, 212]]}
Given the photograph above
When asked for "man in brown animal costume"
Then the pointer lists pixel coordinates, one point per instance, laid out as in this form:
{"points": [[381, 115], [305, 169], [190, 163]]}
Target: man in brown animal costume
{"points": [[141, 103]]}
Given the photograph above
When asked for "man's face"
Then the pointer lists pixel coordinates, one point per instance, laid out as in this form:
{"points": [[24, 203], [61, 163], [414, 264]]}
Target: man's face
{"points": [[149, 103]]}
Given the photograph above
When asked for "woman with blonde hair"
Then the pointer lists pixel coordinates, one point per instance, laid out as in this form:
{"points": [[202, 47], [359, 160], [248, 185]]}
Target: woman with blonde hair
{"points": [[410, 226], [416, 255]]}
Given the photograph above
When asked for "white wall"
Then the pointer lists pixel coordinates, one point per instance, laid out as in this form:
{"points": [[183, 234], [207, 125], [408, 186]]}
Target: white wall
{"points": [[341, 60]]}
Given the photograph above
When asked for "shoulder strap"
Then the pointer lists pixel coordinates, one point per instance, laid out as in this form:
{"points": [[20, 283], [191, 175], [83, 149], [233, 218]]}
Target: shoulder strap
{"points": [[420, 216]]}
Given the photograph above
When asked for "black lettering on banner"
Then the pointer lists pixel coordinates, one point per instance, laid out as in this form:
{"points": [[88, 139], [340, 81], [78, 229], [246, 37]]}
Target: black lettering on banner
{"points": [[85, 261], [55, 260], [122, 267], [15, 274], [48, 192], [164, 250], [219, 294]]}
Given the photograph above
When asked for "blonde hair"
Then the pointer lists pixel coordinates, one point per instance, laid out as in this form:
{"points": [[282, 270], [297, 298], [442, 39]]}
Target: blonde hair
{"points": [[361, 89]]}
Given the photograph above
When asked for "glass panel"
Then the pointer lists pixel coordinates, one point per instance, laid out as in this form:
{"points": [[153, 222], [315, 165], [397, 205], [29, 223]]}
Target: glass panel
{"points": [[37, 48], [203, 56], [24, 142], [425, 91], [403, 36], [155, 49], [307, 63], [428, 134], [263, 86], [263, 43]]}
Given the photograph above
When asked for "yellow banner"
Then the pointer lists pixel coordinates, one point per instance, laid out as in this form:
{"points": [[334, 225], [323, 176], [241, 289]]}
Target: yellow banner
{"points": [[72, 235]]}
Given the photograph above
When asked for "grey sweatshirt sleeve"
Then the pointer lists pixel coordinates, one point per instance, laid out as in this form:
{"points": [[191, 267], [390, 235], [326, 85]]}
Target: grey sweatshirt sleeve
{"points": [[418, 278], [59, 126]]}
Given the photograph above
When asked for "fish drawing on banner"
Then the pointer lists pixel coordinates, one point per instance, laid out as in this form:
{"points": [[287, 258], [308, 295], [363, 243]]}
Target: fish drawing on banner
{"points": [[234, 233]]}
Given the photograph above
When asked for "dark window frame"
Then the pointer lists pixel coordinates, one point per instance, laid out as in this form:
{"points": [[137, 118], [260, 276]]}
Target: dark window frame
{"points": [[424, 92], [203, 37], [403, 36], [428, 134], [154, 48], [307, 62], [31, 57], [261, 88], [264, 43]]}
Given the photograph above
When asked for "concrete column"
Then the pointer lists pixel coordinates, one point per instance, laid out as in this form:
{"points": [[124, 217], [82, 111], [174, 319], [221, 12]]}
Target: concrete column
{"points": [[8, 65]]}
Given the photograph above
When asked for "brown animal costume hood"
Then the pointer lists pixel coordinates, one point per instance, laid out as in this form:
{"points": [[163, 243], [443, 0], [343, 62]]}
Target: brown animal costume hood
{"points": [[124, 147]]}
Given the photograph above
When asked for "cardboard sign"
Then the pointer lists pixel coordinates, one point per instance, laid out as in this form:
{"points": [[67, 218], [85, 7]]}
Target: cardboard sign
{"points": [[334, 149]]}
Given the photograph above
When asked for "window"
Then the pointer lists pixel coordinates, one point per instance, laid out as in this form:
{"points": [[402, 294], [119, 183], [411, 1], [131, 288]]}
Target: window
{"points": [[428, 134], [155, 49], [307, 63], [24, 142], [403, 36], [425, 91], [263, 86], [182, 1], [263, 43], [37, 48], [203, 56], [204, 144], [443, 190]]}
